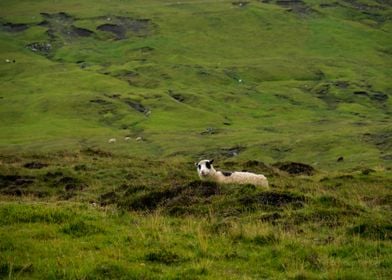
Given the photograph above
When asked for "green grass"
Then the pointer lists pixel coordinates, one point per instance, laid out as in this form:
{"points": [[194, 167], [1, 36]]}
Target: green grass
{"points": [[92, 215], [249, 86], [200, 51]]}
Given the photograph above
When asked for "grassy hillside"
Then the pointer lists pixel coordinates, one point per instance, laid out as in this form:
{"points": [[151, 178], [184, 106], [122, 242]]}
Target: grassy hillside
{"points": [[289, 81], [297, 90]]}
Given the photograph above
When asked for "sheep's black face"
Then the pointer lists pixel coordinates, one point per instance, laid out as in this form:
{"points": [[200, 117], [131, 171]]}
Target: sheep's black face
{"points": [[204, 168]]}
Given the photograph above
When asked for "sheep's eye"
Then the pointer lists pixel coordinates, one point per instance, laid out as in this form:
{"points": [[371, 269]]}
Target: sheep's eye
{"points": [[208, 165]]}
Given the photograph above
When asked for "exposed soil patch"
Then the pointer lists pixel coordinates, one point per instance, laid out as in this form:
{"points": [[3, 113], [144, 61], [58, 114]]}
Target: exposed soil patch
{"points": [[295, 168], [382, 140], [14, 27], [117, 30], [15, 184], [172, 198], [35, 165], [296, 6], [259, 167], [108, 198], [120, 27], [15, 180], [223, 152], [177, 96], [100, 101], [375, 96], [70, 184], [136, 105], [81, 32], [363, 6]]}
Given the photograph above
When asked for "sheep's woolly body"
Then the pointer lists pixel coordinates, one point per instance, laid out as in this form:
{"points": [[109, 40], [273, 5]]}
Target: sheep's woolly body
{"points": [[240, 178], [207, 172]]}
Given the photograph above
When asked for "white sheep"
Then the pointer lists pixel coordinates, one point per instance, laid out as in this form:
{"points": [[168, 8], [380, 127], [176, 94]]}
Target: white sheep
{"points": [[207, 173], [127, 138], [112, 140]]}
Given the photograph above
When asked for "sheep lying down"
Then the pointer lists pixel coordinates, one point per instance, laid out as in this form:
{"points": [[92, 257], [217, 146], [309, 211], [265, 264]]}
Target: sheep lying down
{"points": [[207, 172]]}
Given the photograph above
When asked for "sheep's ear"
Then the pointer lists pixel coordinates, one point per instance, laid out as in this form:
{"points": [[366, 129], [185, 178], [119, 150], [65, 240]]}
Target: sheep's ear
{"points": [[196, 164], [211, 161]]}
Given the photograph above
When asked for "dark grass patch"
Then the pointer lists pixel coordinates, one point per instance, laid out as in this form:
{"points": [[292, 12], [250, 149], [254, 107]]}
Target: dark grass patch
{"points": [[295, 168], [373, 230], [96, 152], [163, 256], [272, 199], [35, 165], [81, 228], [271, 217], [107, 270], [330, 217], [7, 269]]}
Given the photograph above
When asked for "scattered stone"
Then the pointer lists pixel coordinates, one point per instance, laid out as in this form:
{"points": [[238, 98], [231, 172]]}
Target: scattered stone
{"points": [[40, 47], [240, 4]]}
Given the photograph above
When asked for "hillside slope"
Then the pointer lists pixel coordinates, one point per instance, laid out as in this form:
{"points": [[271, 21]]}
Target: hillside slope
{"points": [[268, 80]]}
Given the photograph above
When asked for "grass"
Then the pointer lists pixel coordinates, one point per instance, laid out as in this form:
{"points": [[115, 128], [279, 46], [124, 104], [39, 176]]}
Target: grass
{"points": [[298, 71], [255, 86], [91, 215]]}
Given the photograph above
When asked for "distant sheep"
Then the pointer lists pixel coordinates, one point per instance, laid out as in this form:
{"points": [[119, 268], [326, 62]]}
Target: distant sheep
{"points": [[127, 138], [112, 140], [207, 172]]}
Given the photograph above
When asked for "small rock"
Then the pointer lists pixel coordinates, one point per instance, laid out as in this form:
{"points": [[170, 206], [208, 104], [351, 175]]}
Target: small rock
{"points": [[340, 159]]}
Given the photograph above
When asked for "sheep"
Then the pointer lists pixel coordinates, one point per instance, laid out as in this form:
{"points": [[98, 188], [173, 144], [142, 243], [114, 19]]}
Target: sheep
{"points": [[112, 140], [127, 138], [207, 173]]}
